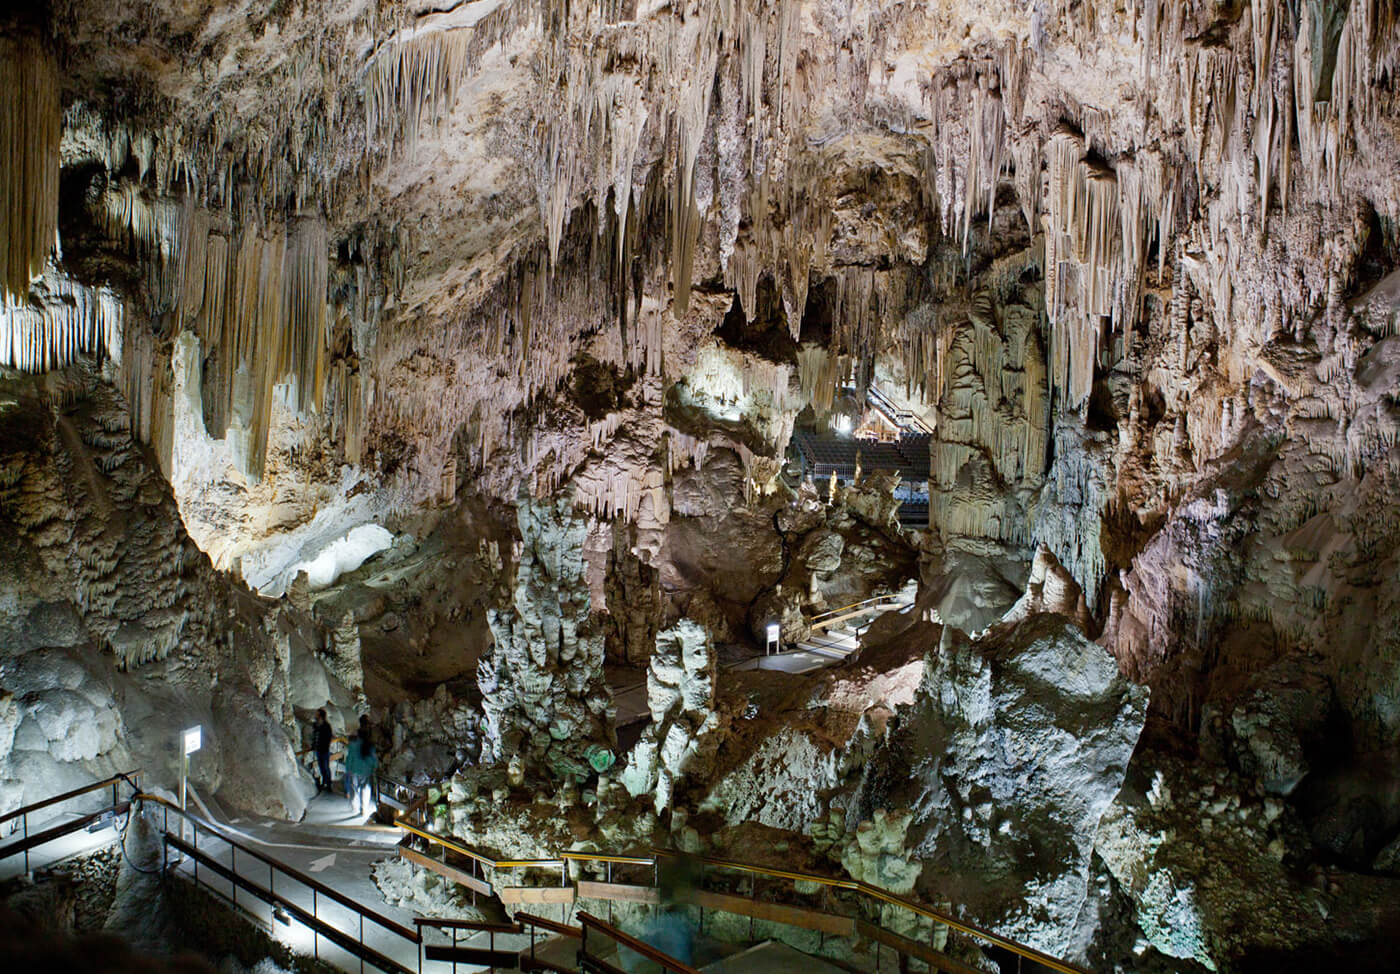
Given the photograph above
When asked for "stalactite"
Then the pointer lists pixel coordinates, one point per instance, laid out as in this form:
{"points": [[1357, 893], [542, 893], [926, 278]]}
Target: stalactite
{"points": [[147, 382], [60, 321], [30, 121], [1083, 262]]}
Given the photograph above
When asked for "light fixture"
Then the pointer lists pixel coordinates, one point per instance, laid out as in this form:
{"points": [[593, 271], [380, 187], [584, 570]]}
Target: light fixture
{"points": [[280, 915], [774, 633], [191, 739]]}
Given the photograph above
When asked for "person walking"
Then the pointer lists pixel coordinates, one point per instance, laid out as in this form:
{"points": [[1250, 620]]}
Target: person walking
{"points": [[321, 736], [360, 764], [367, 734]]}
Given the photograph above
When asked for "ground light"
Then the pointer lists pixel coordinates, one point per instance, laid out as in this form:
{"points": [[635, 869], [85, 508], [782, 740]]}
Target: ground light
{"points": [[773, 634]]}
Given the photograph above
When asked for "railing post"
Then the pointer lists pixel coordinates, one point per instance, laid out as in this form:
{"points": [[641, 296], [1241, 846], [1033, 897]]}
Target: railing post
{"points": [[315, 935], [362, 942], [233, 862], [25, 821]]}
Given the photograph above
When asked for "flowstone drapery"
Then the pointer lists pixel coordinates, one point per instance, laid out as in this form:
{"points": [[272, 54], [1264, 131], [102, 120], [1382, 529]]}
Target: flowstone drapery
{"points": [[542, 686]]}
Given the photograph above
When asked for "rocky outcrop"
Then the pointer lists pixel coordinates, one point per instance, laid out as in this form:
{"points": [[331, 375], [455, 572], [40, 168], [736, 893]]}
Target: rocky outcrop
{"points": [[543, 695], [1216, 871], [1013, 750], [116, 633], [680, 697]]}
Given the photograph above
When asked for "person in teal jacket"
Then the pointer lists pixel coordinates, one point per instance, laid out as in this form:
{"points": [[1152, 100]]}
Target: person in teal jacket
{"points": [[361, 761]]}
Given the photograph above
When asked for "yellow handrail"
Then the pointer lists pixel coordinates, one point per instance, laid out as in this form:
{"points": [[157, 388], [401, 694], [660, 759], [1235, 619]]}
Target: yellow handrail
{"points": [[854, 885], [480, 857], [832, 615], [875, 892], [598, 857]]}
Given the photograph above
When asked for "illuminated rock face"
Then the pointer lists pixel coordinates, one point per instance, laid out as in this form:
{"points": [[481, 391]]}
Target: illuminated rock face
{"points": [[680, 697], [116, 633], [1012, 752], [347, 280]]}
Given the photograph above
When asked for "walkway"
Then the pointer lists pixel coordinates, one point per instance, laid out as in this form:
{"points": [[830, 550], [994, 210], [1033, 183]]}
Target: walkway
{"points": [[835, 638], [302, 864], [310, 886]]}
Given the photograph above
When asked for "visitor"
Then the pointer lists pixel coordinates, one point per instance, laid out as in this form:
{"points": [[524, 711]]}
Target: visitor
{"points": [[321, 735], [360, 764], [367, 734]]}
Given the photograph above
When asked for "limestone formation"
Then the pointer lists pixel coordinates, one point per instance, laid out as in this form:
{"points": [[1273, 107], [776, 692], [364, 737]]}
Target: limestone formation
{"points": [[543, 696], [680, 697], [351, 351], [1011, 754], [117, 633]]}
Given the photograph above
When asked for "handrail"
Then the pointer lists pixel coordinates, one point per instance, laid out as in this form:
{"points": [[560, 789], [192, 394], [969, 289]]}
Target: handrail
{"points": [[875, 892], [632, 943], [865, 889], [480, 857], [563, 929], [482, 925], [825, 618], [309, 919], [115, 779], [599, 857], [320, 888]]}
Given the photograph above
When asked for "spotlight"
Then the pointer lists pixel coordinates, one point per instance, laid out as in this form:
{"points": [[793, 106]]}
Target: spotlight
{"points": [[280, 915]]}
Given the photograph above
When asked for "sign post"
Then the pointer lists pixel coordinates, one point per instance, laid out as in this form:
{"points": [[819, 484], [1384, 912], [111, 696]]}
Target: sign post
{"points": [[190, 740]]}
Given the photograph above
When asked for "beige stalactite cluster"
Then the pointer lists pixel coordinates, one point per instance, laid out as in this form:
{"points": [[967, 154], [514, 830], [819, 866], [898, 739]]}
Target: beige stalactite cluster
{"points": [[708, 133], [255, 299], [29, 135]]}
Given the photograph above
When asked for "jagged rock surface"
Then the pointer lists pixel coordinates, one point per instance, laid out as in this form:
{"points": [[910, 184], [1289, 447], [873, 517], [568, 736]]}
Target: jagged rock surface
{"points": [[1013, 750], [117, 632], [542, 689]]}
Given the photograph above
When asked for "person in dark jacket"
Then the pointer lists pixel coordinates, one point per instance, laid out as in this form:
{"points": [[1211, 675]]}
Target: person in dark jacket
{"points": [[321, 735]]}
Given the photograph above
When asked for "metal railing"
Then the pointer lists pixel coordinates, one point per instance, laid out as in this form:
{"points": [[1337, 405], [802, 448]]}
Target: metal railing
{"points": [[531, 961], [877, 894], [27, 841], [864, 891], [284, 907], [277, 901], [833, 616], [590, 963], [906, 419], [457, 954]]}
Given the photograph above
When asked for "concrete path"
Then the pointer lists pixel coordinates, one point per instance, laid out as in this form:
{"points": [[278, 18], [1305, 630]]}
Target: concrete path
{"points": [[823, 648], [332, 848]]}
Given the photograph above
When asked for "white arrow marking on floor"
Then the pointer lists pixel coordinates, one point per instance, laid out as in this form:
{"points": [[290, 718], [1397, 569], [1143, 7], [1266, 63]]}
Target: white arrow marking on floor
{"points": [[325, 862]]}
